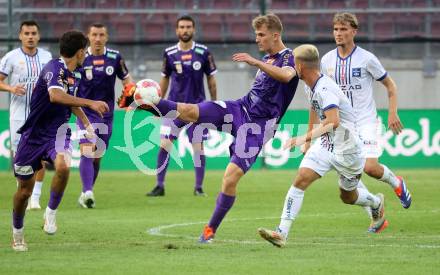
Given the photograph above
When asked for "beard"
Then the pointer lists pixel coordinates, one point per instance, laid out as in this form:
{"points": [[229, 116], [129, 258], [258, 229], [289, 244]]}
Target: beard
{"points": [[185, 38]]}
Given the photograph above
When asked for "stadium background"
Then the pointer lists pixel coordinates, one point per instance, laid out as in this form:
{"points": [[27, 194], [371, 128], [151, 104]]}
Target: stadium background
{"points": [[404, 34]]}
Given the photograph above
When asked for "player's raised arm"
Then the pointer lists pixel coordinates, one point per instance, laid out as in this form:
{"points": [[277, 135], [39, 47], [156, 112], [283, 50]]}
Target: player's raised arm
{"points": [[283, 74]]}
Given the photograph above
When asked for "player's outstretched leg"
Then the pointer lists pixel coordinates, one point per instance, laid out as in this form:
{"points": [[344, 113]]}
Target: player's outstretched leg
{"points": [[225, 201], [381, 172], [59, 182]]}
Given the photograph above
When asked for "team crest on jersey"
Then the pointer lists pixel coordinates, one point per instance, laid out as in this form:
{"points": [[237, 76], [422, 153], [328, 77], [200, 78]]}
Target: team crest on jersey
{"points": [[109, 70], [197, 65], [89, 74], [356, 72], [178, 66]]}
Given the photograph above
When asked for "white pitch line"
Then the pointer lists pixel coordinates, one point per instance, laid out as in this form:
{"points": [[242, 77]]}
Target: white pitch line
{"points": [[158, 231]]}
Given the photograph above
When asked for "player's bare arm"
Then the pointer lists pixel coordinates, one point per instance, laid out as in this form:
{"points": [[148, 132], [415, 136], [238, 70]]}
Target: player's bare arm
{"points": [[330, 123], [394, 122], [284, 74], [79, 113], [313, 120], [16, 90], [164, 83], [212, 86], [127, 80], [60, 97]]}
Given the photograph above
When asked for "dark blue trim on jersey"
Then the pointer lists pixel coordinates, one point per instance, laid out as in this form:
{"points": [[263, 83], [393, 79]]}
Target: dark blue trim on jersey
{"points": [[331, 106], [349, 71], [337, 52], [3, 73], [382, 77], [29, 54], [316, 82], [29, 70]]}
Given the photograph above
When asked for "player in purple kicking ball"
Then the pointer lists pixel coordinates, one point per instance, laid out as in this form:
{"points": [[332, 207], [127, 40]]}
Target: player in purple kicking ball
{"points": [[252, 119], [45, 135]]}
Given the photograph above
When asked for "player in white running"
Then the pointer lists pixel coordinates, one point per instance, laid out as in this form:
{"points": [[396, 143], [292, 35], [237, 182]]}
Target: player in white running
{"points": [[339, 148], [354, 70], [22, 67]]}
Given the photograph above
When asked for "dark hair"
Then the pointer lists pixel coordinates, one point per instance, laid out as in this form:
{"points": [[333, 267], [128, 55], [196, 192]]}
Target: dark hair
{"points": [[185, 18], [71, 42], [96, 25], [29, 23]]}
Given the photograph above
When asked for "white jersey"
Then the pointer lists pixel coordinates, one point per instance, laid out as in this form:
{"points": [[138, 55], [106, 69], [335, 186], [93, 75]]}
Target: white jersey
{"points": [[325, 95], [21, 68], [354, 75]]}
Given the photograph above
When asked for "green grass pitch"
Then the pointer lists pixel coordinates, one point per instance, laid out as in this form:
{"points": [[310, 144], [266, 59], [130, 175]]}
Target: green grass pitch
{"points": [[130, 233]]}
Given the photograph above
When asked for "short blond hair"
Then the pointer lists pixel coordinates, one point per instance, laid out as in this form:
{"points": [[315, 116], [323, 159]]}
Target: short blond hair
{"points": [[272, 22], [346, 18], [308, 55]]}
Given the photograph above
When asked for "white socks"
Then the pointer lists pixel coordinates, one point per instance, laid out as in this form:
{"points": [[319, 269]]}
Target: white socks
{"points": [[389, 177], [366, 208], [292, 206], [36, 192], [365, 198], [50, 211]]}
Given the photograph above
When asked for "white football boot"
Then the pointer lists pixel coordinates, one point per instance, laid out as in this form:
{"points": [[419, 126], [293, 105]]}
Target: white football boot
{"points": [[50, 221], [18, 243]]}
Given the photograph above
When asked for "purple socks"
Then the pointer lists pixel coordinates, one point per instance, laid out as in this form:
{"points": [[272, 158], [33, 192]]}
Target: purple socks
{"points": [[224, 203], [87, 173], [55, 199], [17, 220], [96, 171], [162, 166], [165, 106], [199, 167]]}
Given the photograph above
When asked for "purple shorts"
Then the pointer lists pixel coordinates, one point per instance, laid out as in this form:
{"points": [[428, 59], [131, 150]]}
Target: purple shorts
{"points": [[250, 134], [29, 155], [171, 129], [103, 129]]}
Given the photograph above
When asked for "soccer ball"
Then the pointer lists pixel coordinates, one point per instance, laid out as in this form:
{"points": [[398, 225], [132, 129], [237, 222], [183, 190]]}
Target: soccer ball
{"points": [[147, 93]]}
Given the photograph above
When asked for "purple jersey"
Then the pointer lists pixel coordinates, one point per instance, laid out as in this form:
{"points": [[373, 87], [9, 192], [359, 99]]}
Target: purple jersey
{"points": [[187, 69], [269, 98], [99, 74], [45, 117]]}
